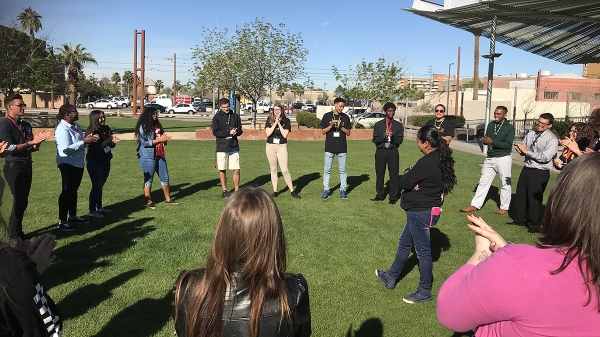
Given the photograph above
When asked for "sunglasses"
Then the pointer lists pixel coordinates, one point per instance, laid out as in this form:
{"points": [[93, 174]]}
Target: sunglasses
{"points": [[20, 105], [440, 111]]}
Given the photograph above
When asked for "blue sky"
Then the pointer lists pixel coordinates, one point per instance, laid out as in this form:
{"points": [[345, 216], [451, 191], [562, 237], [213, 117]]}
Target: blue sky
{"points": [[335, 32]]}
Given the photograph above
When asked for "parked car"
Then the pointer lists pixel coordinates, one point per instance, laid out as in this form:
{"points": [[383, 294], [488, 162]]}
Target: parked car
{"points": [[121, 101], [181, 108], [199, 107], [264, 106], [102, 104], [370, 118], [248, 106], [311, 107], [297, 105], [160, 108], [355, 112]]}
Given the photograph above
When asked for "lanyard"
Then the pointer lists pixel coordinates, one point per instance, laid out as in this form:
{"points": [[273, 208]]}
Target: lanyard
{"points": [[498, 127], [388, 127], [12, 120], [103, 133]]}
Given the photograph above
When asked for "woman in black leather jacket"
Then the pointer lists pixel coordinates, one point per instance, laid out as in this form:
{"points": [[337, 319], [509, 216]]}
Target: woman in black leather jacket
{"points": [[244, 290]]}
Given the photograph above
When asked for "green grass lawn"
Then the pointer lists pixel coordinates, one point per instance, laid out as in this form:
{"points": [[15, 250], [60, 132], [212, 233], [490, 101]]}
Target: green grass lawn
{"points": [[113, 276]]}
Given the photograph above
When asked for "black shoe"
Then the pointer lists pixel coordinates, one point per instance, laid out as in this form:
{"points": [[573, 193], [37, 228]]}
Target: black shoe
{"points": [[515, 223], [533, 228], [295, 195], [77, 219], [171, 202], [393, 202], [376, 198], [275, 194], [225, 194]]}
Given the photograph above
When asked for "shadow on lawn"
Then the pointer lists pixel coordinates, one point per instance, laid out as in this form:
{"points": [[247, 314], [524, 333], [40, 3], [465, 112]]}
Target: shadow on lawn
{"points": [[88, 297], [354, 181], [259, 181], [372, 327], [306, 179], [144, 318], [80, 257], [439, 243], [181, 191]]}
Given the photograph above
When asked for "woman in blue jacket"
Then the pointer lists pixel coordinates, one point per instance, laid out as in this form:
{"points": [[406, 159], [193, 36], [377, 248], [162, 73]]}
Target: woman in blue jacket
{"points": [[151, 153]]}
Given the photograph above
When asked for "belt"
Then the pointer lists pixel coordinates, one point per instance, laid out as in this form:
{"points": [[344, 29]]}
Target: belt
{"points": [[18, 164]]}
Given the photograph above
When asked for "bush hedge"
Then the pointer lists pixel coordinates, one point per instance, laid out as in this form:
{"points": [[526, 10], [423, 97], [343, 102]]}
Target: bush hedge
{"points": [[308, 119], [420, 120]]}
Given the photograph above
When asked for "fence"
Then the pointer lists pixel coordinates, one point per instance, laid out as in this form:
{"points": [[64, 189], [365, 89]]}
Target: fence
{"points": [[522, 126]]}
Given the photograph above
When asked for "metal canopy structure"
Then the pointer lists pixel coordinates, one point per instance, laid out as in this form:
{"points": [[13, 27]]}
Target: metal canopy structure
{"points": [[566, 31]]}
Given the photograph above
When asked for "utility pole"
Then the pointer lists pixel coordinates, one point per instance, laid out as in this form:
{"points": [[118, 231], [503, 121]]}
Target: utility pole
{"points": [[490, 57], [457, 83], [430, 78], [448, 92], [174, 78], [141, 69]]}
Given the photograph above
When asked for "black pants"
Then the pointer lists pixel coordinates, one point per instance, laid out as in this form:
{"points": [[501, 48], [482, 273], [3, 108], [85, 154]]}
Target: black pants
{"points": [[67, 201], [530, 194], [392, 159], [18, 176]]}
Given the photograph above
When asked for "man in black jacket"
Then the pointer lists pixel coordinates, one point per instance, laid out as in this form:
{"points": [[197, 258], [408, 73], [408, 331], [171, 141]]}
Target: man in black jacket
{"points": [[17, 166], [227, 126], [388, 134]]}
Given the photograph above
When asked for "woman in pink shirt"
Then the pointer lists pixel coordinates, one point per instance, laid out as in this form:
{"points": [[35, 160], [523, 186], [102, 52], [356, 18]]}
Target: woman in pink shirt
{"points": [[551, 289]]}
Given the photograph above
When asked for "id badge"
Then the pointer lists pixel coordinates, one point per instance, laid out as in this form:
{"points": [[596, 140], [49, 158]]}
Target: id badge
{"points": [[106, 149], [275, 140], [336, 134]]}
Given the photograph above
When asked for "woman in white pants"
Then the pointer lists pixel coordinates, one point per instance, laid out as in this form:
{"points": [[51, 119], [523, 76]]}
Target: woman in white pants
{"points": [[277, 128]]}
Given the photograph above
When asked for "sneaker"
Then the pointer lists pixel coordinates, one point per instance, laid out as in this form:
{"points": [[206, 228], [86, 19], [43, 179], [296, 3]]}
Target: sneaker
{"points": [[225, 194], [171, 202], [418, 297], [295, 195], [326, 194], [96, 215], [275, 194], [64, 226], [343, 194], [103, 210], [384, 278], [77, 219], [151, 205]]}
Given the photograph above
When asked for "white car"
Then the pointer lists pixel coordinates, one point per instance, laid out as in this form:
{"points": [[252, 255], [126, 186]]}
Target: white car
{"points": [[248, 106], [370, 118], [102, 104], [181, 108], [124, 101], [263, 106]]}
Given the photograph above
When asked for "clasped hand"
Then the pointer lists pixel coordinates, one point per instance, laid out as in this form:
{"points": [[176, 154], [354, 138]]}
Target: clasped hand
{"points": [[487, 240]]}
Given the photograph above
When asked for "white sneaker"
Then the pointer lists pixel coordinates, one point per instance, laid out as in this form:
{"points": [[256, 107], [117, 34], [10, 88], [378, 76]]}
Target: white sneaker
{"points": [[96, 215], [104, 210]]}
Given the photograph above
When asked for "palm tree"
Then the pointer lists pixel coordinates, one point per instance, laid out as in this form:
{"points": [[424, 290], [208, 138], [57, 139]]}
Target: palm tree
{"points": [[159, 85], [74, 59], [30, 20], [116, 78], [128, 79]]}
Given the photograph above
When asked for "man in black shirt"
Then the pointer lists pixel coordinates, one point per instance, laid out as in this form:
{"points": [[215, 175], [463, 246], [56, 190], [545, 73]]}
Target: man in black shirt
{"points": [[17, 166], [336, 126], [387, 136], [227, 127], [443, 125]]}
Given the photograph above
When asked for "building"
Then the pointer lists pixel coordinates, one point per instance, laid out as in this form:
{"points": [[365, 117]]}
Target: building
{"points": [[436, 83], [591, 70]]}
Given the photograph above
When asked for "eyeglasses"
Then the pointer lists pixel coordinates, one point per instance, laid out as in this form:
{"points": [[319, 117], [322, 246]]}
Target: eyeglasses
{"points": [[20, 105], [572, 130], [542, 123], [440, 111], [101, 117], [72, 111]]}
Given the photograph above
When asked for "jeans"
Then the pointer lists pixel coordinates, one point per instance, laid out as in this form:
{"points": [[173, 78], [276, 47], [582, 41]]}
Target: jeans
{"points": [[150, 166], [67, 201], [327, 171], [18, 176], [98, 171], [416, 231]]}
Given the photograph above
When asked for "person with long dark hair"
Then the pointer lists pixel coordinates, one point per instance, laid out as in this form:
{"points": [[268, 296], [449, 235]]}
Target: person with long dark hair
{"points": [[550, 289], [425, 184], [25, 307], [98, 158], [244, 289], [152, 139], [576, 140], [70, 152], [277, 128]]}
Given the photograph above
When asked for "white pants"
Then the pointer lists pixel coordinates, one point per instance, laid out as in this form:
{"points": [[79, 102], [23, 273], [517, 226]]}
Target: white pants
{"points": [[503, 167]]}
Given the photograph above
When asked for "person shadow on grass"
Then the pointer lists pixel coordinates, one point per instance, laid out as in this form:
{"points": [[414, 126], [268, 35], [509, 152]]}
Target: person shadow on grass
{"points": [[372, 327]]}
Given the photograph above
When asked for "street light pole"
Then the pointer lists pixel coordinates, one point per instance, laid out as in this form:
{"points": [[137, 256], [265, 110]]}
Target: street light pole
{"points": [[448, 87], [324, 93]]}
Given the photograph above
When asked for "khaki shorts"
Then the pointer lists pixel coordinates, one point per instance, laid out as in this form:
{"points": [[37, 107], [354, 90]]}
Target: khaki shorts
{"points": [[228, 161]]}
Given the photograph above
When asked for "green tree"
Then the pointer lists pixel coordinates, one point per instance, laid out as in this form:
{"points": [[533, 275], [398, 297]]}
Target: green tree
{"points": [[116, 78], [281, 89], [74, 59], [159, 85], [297, 89], [30, 21], [471, 84], [258, 56], [128, 80]]}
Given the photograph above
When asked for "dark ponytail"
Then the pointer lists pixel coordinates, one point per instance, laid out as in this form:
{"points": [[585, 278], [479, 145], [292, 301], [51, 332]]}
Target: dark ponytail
{"points": [[430, 134]]}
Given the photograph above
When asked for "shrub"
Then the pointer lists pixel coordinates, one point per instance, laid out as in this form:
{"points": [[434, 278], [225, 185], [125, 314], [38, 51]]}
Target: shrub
{"points": [[458, 121], [307, 119], [560, 128], [359, 126]]}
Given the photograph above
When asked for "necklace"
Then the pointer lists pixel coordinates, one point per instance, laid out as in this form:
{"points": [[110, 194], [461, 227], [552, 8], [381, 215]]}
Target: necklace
{"points": [[437, 126]]}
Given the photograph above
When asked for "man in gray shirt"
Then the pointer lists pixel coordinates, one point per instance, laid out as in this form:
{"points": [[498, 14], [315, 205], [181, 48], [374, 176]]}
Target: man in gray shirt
{"points": [[539, 149]]}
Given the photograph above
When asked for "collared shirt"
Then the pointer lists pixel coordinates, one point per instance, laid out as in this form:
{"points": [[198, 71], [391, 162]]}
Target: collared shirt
{"points": [[70, 148], [541, 149], [12, 133]]}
